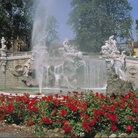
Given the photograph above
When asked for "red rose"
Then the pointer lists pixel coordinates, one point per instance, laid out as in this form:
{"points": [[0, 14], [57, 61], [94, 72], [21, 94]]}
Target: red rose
{"points": [[32, 108], [129, 128], [46, 120], [63, 113], [67, 128], [136, 119], [64, 121], [114, 127], [56, 102], [107, 115], [130, 117], [114, 118], [9, 108], [102, 97], [86, 126], [72, 107], [93, 122]]}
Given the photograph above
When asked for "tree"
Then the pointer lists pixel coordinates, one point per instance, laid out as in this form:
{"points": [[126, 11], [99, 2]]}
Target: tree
{"points": [[51, 28], [44, 25], [16, 20], [136, 24], [5, 23], [137, 27], [94, 21], [18, 15]]}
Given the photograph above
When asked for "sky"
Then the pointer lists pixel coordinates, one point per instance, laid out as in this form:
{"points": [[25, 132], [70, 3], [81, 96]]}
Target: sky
{"points": [[61, 9], [134, 13]]}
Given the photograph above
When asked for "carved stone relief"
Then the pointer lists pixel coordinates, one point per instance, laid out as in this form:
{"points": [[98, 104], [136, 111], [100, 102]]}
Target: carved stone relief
{"points": [[132, 71], [25, 71]]}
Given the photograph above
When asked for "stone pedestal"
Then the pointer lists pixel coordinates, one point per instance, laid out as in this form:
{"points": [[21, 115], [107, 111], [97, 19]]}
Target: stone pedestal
{"points": [[3, 52], [116, 86]]}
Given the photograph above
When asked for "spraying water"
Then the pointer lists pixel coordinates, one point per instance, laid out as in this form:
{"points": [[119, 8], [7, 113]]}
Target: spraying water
{"points": [[39, 37], [69, 73]]}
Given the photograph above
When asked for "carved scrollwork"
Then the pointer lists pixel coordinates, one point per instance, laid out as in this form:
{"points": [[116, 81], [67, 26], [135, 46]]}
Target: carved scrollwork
{"points": [[132, 71], [17, 70]]}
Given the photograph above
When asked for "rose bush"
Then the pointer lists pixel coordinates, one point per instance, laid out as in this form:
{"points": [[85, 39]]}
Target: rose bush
{"points": [[77, 113]]}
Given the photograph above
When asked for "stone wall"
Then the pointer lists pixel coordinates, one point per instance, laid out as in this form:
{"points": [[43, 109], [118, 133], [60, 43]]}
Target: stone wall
{"points": [[132, 70], [9, 71]]}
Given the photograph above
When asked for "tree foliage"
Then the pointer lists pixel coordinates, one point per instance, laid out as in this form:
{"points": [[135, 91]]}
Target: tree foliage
{"points": [[16, 20], [53, 34], [94, 21], [137, 25]]}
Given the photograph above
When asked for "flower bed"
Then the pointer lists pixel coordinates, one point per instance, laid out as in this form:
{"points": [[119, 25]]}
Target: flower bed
{"points": [[78, 114]]}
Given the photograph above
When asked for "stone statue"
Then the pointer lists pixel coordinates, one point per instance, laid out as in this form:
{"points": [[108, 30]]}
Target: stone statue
{"points": [[115, 61], [66, 45], [106, 49], [28, 75], [109, 50], [27, 66], [112, 42], [3, 41], [67, 51], [3, 47], [119, 65], [73, 64]]}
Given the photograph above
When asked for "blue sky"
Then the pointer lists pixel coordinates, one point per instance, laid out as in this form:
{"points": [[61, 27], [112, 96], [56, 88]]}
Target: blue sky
{"points": [[61, 9], [134, 13]]}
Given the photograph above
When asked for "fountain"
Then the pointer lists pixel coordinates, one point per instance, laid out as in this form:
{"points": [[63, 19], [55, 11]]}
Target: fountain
{"points": [[73, 72], [71, 69], [39, 36], [115, 60], [117, 83]]}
